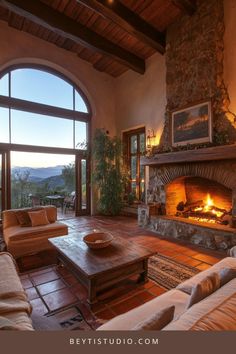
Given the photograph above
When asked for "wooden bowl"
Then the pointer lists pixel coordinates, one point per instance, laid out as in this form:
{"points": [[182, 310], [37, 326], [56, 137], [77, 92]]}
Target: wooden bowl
{"points": [[98, 239]]}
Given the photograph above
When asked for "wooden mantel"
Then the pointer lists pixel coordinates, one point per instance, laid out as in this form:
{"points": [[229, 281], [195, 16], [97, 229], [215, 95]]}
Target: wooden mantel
{"points": [[206, 154]]}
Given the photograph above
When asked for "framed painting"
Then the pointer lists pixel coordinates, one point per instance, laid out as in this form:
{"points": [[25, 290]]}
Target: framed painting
{"points": [[192, 124]]}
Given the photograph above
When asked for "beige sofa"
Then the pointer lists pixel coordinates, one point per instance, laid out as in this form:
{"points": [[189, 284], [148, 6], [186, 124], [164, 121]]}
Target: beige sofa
{"points": [[22, 241], [215, 312], [15, 309]]}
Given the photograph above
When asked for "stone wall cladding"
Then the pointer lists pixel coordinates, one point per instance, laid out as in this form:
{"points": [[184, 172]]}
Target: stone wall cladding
{"points": [[194, 63], [195, 234]]}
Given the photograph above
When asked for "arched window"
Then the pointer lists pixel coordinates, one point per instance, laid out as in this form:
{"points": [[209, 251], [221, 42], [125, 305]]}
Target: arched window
{"points": [[42, 108], [44, 122]]}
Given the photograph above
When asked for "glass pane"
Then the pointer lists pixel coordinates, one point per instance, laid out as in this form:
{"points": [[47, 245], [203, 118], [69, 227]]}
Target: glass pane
{"points": [[4, 85], [83, 184], [133, 167], [41, 130], [42, 87], [80, 104], [134, 188], [4, 125], [80, 135], [142, 143], [41, 179], [133, 144]]}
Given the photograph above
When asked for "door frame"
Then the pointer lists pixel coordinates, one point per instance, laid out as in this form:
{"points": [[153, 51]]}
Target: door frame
{"points": [[79, 155], [78, 175]]}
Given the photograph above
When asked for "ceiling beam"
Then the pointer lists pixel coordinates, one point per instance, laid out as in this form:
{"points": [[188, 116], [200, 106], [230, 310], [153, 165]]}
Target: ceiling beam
{"points": [[55, 21], [187, 6], [130, 21]]}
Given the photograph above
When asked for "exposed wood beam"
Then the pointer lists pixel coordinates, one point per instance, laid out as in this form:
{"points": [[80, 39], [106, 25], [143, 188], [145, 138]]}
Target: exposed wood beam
{"points": [[187, 6], [55, 21], [129, 21]]}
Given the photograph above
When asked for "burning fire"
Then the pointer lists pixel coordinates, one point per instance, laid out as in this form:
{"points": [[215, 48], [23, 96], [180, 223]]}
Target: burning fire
{"points": [[209, 201], [209, 207], [205, 211]]}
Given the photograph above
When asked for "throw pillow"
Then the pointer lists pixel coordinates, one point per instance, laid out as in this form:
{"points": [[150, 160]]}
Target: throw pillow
{"points": [[157, 321], [226, 275], [38, 218], [23, 218], [204, 288]]}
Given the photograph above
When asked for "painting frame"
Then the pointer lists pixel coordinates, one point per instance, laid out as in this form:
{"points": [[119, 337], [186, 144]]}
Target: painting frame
{"points": [[192, 124]]}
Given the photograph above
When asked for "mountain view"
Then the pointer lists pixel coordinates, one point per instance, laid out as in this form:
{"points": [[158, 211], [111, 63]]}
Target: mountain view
{"points": [[40, 173], [40, 182]]}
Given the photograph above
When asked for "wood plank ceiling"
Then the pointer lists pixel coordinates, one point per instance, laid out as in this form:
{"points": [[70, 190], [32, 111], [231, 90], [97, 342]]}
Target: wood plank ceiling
{"points": [[114, 36]]}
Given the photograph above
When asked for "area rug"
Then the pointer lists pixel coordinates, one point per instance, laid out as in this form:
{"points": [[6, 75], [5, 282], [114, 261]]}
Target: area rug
{"points": [[167, 272], [71, 318]]}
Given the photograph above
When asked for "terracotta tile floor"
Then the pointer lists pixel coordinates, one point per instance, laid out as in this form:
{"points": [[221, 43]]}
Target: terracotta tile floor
{"points": [[53, 287]]}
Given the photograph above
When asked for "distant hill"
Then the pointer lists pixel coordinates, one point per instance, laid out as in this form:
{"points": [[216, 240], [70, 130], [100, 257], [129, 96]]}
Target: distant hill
{"points": [[37, 174], [53, 181]]}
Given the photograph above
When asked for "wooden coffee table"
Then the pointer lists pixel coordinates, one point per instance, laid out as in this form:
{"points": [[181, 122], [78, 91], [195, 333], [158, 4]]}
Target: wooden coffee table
{"points": [[99, 269]]}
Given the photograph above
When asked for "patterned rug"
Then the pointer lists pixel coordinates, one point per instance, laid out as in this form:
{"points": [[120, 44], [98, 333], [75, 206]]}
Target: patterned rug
{"points": [[167, 272], [70, 318]]}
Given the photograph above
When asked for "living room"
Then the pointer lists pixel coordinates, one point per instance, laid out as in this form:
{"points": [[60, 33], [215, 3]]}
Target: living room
{"points": [[151, 83]]}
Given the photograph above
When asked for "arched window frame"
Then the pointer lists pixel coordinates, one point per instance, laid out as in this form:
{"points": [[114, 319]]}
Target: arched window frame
{"points": [[40, 108], [44, 109]]}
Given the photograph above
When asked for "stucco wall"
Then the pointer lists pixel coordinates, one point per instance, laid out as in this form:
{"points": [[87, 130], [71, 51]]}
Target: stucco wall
{"points": [[141, 99], [20, 47], [230, 51]]}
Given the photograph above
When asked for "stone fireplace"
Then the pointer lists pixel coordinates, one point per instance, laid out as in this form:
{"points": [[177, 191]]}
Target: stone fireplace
{"points": [[192, 194], [195, 200]]}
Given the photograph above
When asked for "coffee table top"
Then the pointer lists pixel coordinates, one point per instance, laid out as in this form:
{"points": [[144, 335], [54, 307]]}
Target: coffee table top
{"points": [[95, 261]]}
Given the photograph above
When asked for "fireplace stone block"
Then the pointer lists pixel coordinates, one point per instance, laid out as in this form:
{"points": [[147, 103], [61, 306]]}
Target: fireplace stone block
{"points": [[205, 235]]}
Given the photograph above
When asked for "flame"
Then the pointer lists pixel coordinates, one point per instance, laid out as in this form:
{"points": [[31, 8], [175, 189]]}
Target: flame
{"points": [[209, 201], [207, 207]]}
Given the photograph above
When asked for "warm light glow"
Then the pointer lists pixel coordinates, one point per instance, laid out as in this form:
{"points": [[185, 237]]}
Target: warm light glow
{"points": [[209, 201], [208, 212]]}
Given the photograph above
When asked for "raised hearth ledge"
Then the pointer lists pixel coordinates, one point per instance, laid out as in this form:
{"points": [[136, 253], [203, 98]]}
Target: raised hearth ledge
{"points": [[224, 152], [202, 234], [206, 225]]}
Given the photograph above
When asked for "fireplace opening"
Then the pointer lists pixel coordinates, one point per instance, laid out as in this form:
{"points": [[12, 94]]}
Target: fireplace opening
{"points": [[200, 200]]}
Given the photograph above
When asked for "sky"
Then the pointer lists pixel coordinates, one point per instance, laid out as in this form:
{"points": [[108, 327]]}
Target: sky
{"points": [[34, 159], [35, 129]]}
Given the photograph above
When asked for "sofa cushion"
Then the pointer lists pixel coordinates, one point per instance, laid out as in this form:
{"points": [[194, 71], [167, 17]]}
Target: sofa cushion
{"points": [[204, 288], [216, 312], [6, 324], [9, 281], [21, 319], [15, 233], [130, 319], [38, 218], [187, 285], [157, 321]]}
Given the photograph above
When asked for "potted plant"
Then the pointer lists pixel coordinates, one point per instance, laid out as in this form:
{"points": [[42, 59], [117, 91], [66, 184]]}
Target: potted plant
{"points": [[108, 174]]}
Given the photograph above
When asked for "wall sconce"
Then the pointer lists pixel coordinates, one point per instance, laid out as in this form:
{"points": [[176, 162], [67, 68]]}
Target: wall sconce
{"points": [[151, 138]]}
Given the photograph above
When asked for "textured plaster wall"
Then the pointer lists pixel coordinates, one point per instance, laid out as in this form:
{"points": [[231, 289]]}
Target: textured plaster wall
{"points": [[141, 99]]}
